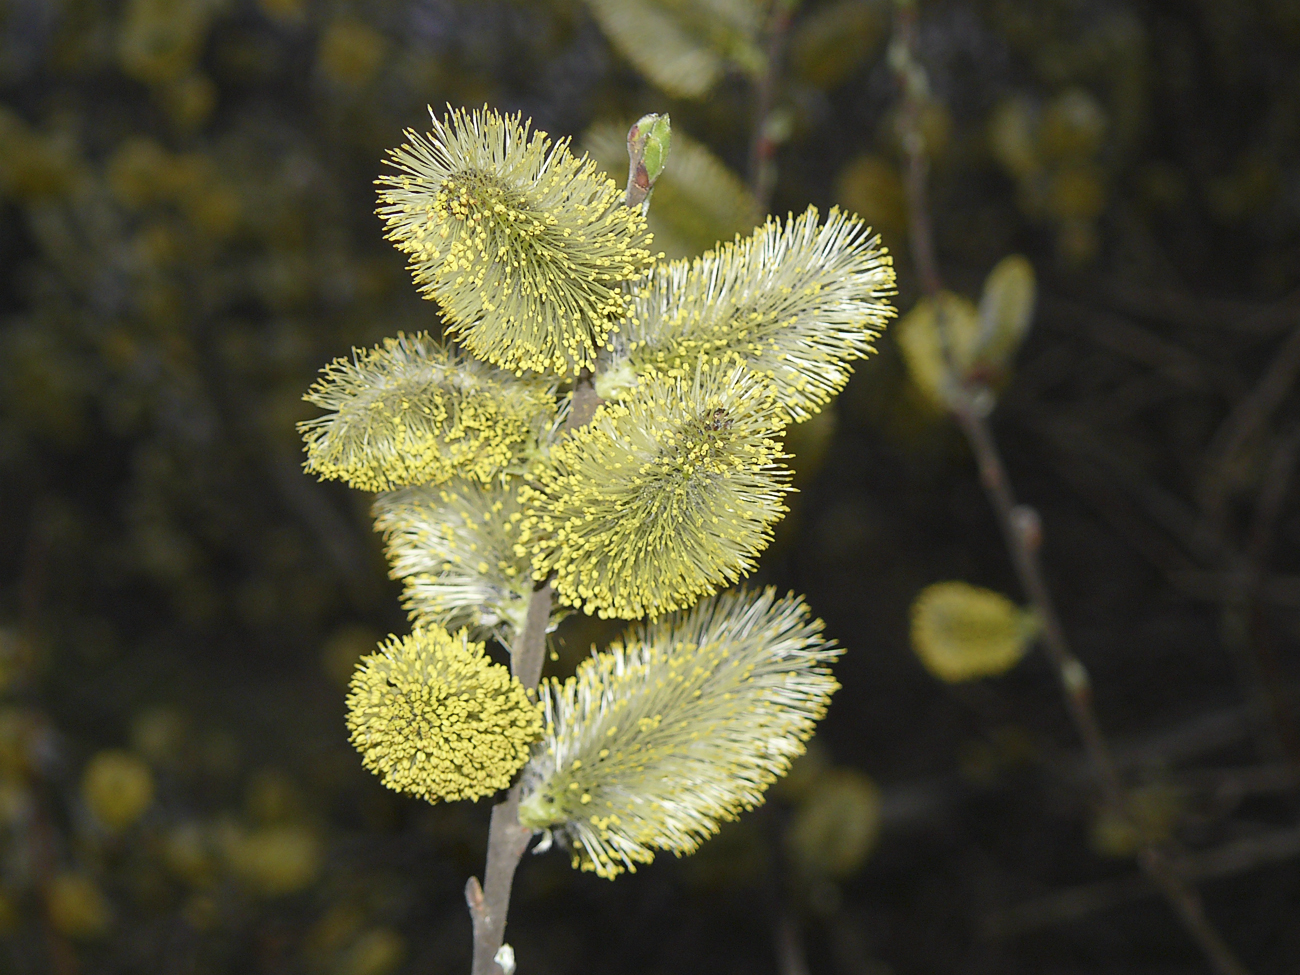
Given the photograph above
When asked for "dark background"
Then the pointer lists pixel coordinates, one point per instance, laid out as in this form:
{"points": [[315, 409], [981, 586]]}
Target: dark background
{"points": [[187, 235]]}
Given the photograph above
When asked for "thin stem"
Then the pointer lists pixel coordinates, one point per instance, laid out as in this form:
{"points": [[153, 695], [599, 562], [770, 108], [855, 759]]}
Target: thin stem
{"points": [[507, 840], [1022, 533], [1075, 903], [912, 81], [527, 653], [762, 146], [1021, 528], [489, 903], [1259, 543], [585, 402]]}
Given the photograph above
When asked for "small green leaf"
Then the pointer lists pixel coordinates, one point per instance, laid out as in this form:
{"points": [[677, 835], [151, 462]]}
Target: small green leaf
{"points": [[698, 201], [1005, 311]]}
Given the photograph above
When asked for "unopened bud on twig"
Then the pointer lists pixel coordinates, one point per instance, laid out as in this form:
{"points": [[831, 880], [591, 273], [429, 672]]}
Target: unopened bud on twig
{"points": [[648, 142], [1028, 526], [1074, 675]]}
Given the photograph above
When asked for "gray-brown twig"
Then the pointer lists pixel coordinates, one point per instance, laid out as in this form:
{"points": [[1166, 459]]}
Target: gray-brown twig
{"points": [[1245, 421], [507, 840], [762, 147], [1074, 903], [1020, 524], [489, 902]]}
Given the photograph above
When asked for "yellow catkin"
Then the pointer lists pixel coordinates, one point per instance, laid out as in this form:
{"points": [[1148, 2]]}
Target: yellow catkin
{"points": [[76, 907], [414, 411], [662, 499], [453, 547], [961, 631], [795, 302], [434, 717], [524, 246], [117, 787], [679, 727]]}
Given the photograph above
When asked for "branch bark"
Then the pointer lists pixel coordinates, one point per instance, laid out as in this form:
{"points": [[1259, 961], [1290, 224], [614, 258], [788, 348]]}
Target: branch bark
{"points": [[507, 840], [1022, 533]]}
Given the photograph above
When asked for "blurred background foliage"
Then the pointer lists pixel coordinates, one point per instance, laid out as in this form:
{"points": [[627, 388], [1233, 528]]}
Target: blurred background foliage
{"points": [[187, 235]]}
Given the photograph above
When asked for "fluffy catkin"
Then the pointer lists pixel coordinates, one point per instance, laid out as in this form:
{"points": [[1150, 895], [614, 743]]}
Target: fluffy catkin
{"points": [[453, 547], [796, 301], [525, 247], [414, 411], [662, 498], [961, 631], [678, 727], [434, 717]]}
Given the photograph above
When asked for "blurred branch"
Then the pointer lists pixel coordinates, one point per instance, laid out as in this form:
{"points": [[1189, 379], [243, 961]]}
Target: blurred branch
{"points": [[1021, 527], [787, 923], [1233, 784], [1273, 491], [1243, 584], [1221, 586], [1167, 510], [1259, 645], [1075, 903], [920, 803], [914, 86], [1246, 421], [762, 148], [1095, 486], [1133, 342], [336, 534], [1180, 308], [790, 958]]}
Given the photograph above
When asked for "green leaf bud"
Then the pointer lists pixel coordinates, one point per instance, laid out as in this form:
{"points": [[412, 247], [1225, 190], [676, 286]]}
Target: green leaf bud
{"points": [[653, 133]]}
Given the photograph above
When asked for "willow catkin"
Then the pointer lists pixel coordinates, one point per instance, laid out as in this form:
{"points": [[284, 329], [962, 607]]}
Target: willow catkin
{"points": [[680, 726], [524, 246], [415, 411], [434, 717], [453, 547], [662, 498], [796, 302]]}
